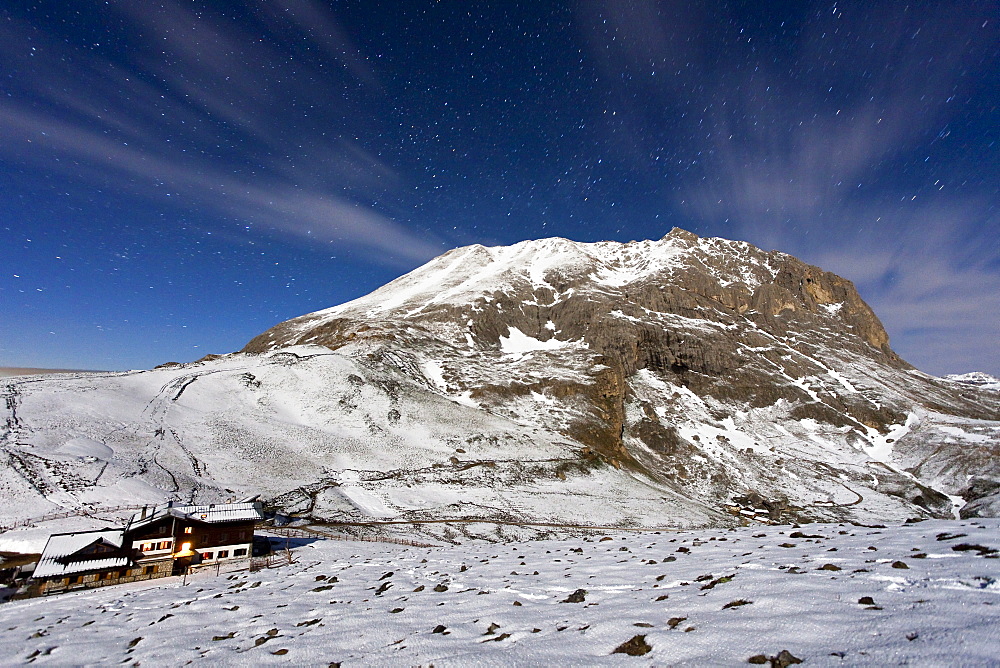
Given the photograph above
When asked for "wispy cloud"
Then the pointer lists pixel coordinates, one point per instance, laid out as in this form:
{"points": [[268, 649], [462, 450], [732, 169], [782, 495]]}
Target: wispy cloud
{"points": [[256, 120], [800, 146]]}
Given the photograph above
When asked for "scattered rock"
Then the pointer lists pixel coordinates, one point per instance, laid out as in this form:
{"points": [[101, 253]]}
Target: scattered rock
{"points": [[829, 567], [440, 628], [579, 596], [799, 534], [866, 600], [440, 588], [634, 646], [737, 603], [899, 564], [950, 536], [784, 659], [718, 581], [968, 547], [674, 621]]}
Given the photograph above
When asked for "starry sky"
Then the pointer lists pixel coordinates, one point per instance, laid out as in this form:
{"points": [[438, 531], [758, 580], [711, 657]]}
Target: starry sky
{"points": [[176, 176]]}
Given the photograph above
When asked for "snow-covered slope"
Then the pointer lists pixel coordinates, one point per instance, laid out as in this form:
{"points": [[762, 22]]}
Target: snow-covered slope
{"points": [[308, 429], [678, 382], [829, 595]]}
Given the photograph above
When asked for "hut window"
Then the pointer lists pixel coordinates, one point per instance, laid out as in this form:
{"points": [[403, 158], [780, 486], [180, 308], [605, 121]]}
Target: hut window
{"points": [[188, 529], [206, 555], [148, 570], [76, 579], [242, 552], [163, 545], [223, 554]]}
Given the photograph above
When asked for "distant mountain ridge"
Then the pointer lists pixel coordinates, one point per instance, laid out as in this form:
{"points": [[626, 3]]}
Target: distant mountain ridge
{"points": [[685, 381]]}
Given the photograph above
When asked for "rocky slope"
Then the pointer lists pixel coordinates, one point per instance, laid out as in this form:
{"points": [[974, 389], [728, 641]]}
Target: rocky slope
{"points": [[684, 381], [707, 364]]}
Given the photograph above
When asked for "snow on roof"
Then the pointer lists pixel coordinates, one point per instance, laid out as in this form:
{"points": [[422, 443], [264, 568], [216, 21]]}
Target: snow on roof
{"points": [[218, 512], [61, 545], [210, 513]]}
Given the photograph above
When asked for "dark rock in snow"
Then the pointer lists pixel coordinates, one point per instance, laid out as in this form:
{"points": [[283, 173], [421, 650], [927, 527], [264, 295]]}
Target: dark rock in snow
{"points": [[634, 646]]}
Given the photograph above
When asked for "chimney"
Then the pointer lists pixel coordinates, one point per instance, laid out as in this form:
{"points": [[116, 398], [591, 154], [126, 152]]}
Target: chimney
{"points": [[143, 516]]}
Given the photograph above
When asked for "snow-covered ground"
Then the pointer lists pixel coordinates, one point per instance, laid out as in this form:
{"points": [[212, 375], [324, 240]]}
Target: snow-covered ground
{"points": [[830, 594]]}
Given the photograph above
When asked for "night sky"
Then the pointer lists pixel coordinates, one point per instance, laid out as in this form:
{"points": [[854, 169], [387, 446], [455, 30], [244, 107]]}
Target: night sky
{"points": [[178, 176]]}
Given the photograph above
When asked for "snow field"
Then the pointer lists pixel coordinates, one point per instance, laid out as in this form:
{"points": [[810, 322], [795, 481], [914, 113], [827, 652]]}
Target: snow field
{"points": [[709, 597]]}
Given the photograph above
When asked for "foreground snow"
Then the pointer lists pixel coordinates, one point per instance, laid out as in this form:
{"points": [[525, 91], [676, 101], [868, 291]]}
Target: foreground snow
{"points": [[712, 597]]}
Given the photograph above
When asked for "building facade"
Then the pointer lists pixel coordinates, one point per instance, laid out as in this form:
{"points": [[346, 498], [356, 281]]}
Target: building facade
{"points": [[166, 540]]}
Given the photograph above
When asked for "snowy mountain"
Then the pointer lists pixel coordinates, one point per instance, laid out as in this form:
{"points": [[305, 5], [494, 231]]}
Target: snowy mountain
{"points": [[679, 382], [976, 379]]}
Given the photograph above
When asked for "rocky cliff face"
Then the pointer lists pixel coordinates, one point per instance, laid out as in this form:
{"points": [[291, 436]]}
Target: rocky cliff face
{"points": [[707, 364]]}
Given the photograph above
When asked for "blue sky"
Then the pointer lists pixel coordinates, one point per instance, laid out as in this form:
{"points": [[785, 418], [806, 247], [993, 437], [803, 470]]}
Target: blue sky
{"points": [[177, 176]]}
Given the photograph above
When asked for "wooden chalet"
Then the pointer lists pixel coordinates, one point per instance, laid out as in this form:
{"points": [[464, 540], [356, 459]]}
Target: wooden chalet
{"points": [[168, 540]]}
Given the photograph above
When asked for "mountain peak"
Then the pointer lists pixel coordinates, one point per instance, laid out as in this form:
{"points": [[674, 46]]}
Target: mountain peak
{"points": [[678, 233], [681, 275]]}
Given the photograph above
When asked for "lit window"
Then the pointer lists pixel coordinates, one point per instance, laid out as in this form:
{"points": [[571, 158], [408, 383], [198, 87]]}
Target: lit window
{"points": [[146, 547], [188, 529], [242, 552], [223, 554], [206, 555]]}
